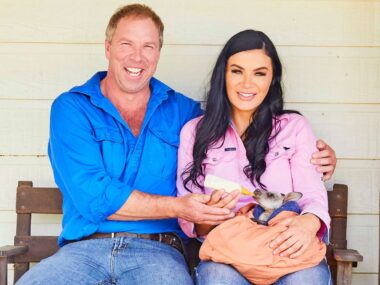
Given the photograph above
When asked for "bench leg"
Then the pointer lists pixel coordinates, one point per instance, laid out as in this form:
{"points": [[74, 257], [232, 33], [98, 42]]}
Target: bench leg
{"points": [[344, 273], [20, 269], [3, 271]]}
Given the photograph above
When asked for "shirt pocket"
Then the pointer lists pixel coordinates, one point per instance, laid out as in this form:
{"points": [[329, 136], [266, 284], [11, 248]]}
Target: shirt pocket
{"points": [[162, 149], [108, 134], [283, 151], [219, 156], [113, 151]]}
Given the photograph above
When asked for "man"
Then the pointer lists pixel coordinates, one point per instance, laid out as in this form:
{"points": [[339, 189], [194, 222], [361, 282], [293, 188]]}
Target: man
{"points": [[113, 149]]}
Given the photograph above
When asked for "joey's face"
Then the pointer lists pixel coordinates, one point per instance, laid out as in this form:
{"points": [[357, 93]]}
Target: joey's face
{"points": [[268, 200], [273, 200]]}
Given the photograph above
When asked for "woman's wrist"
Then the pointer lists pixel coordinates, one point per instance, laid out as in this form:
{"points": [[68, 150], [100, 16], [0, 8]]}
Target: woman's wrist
{"points": [[313, 222]]}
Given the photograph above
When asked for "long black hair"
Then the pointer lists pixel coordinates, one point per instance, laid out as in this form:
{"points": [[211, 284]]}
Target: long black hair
{"points": [[213, 126]]}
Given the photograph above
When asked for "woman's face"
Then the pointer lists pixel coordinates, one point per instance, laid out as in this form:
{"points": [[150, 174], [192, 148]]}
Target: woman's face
{"points": [[248, 78]]}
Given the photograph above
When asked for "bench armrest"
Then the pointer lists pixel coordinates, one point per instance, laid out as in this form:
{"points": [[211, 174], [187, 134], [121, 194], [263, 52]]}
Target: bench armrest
{"points": [[347, 255], [346, 259], [12, 250], [6, 254]]}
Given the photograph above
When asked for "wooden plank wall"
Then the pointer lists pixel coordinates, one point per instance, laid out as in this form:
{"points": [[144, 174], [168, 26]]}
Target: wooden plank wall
{"points": [[331, 55]]}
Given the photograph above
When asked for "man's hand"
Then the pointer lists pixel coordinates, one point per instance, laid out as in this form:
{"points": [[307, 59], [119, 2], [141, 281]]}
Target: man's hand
{"points": [[195, 208], [298, 237], [218, 199], [325, 159]]}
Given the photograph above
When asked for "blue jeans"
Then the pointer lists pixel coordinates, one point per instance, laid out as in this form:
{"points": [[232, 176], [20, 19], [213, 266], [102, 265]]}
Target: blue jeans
{"points": [[213, 273], [121, 260]]}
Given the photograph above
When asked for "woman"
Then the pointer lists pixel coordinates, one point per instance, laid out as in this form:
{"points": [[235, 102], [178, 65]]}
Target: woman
{"points": [[246, 136]]}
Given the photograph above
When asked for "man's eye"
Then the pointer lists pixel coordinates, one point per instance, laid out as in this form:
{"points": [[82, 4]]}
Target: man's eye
{"points": [[149, 46]]}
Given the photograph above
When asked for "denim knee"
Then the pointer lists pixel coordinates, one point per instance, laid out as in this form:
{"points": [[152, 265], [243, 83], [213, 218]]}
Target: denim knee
{"points": [[317, 275], [213, 273]]}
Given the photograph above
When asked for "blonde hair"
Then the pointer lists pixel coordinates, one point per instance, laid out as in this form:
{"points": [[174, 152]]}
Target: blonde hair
{"points": [[134, 10]]}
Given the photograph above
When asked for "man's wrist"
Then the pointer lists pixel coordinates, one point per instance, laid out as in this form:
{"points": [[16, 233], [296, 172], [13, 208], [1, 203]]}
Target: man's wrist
{"points": [[171, 206]]}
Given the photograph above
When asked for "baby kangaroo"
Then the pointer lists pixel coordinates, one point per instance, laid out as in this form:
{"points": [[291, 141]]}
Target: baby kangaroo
{"points": [[270, 201]]}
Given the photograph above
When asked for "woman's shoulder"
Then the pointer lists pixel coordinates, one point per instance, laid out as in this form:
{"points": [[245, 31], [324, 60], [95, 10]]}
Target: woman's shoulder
{"points": [[190, 126], [291, 120], [192, 123], [290, 125]]}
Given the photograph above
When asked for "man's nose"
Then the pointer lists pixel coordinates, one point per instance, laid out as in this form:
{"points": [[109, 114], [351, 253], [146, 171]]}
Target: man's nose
{"points": [[136, 55]]}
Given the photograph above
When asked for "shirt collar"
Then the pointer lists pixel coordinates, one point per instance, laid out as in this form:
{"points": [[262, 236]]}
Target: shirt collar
{"points": [[159, 93], [159, 90], [92, 87]]}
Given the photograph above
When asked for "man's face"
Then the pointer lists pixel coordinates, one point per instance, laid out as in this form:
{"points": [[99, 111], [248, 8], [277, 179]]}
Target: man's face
{"points": [[133, 54]]}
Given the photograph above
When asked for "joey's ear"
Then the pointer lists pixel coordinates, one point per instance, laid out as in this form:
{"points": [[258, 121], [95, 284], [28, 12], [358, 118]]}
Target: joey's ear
{"points": [[292, 196]]}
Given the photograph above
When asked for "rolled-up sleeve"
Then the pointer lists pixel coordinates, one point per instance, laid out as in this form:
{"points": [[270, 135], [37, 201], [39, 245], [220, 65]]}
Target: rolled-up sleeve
{"points": [[76, 159], [185, 158], [307, 180]]}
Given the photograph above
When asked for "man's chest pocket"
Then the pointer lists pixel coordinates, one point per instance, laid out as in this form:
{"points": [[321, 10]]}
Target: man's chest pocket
{"points": [[161, 153], [111, 145]]}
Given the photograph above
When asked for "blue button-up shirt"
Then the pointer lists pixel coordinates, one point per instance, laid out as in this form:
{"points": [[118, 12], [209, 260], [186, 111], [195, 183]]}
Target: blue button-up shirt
{"points": [[98, 162]]}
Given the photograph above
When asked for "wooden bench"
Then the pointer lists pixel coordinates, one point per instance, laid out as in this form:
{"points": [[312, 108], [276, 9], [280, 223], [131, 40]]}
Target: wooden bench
{"points": [[28, 248]]}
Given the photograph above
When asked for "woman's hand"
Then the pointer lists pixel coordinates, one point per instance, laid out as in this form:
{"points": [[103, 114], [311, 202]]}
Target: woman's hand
{"points": [[325, 158], [222, 199], [298, 237]]}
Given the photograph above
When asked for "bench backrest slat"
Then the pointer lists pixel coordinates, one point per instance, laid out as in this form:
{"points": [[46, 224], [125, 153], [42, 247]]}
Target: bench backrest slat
{"points": [[38, 200]]}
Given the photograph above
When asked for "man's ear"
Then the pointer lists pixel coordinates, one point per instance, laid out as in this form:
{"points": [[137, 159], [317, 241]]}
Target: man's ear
{"points": [[292, 196], [107, 47]]}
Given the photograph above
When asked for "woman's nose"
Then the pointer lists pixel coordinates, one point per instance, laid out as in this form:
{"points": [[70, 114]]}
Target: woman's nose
{"points": [[247, 81]]}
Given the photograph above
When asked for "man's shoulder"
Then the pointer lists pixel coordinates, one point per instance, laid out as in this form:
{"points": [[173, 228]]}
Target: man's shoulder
{"points": [[91, 87], [81, 92], [187, 106], [69, 98], [185, 102], [171, 92], [174, 103]]}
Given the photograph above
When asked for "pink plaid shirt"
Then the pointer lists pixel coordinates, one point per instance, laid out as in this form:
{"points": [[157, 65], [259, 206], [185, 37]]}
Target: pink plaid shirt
{"points": [[288, 167]]}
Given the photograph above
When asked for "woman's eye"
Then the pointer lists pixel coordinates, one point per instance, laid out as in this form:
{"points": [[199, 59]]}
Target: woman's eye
{"points": [[260, 74], [236, 71]]}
